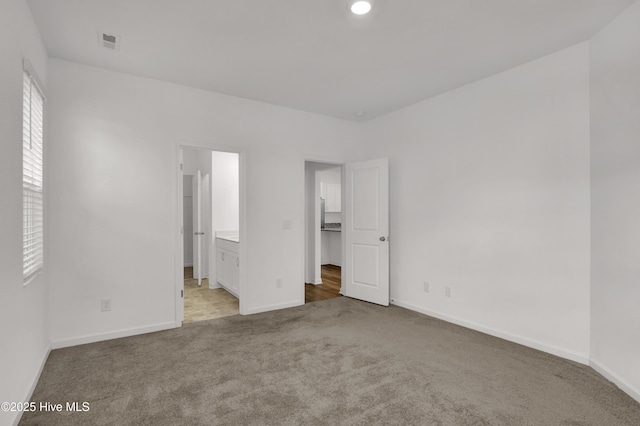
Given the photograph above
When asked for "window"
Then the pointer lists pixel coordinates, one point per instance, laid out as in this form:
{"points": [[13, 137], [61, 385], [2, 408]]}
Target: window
{"points": [[32, 177]]}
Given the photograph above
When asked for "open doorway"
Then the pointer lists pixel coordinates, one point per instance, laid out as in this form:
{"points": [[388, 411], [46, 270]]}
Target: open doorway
{"points": [[210, 207], [323, 231]]}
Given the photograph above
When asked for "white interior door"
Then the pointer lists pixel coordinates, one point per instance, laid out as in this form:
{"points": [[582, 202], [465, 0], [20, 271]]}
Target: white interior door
{"points": [[197, 227], [367, 231]]}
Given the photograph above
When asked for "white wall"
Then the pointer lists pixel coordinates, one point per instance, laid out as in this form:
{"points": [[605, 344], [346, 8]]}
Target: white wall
{"points": [[196, 159], [114, 175], [490, 196], [615, 202], [23, 310], [332, 175], [225, 188]]}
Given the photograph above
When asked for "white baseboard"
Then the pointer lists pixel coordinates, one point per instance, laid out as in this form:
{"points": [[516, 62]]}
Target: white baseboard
{"points": [[563, 353], [276, 307], [232, 292], [112, 335], [34, 383], [214, 284], [611, 376], [316, 281]]}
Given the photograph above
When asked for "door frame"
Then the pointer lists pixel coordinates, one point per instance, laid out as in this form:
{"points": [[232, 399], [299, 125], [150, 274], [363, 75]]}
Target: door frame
{"points": [[343, 243], [198, 271], [178, 223]]}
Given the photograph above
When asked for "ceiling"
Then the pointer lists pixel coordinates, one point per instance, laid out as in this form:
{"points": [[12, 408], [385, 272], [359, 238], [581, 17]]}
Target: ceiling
{"points": [[314, 55]]}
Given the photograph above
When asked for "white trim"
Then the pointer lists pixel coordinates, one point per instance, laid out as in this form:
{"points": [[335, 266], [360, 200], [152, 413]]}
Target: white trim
{"points": [[314, 281], [214, 284], [563, 353], [34, 383], [611, 376], [178, 243], [317, 223], [127, 332], [275, 307], [343, 239], [243, 284]]}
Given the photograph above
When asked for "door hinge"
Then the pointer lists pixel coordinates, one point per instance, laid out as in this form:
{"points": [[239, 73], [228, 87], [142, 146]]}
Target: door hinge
{"points": [[181, 293], [180, 166]]}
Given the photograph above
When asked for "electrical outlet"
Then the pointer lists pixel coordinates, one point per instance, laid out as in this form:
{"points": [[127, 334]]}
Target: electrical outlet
{"points": [[286, 224], [279, 282], [447, 291], [426, 287], [105, 305]]}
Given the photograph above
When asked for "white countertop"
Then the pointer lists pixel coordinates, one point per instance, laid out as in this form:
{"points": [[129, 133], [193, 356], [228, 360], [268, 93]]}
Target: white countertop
{"points": [[232, 238]]}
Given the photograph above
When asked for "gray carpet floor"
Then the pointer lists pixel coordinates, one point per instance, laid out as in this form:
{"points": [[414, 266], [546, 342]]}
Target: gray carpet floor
{"points": [[333, 362]]}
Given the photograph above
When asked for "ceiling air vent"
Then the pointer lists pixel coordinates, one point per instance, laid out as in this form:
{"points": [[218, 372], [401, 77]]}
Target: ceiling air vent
{"points": [[109, 41]]}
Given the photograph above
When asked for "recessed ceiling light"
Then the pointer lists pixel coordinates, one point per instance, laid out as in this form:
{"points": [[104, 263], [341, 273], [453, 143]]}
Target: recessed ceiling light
{"points": [[360, 114], [361, 7]]}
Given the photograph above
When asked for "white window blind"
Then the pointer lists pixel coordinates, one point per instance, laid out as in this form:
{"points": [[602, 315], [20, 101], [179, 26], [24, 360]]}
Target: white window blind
{"points": [[32, 178]]}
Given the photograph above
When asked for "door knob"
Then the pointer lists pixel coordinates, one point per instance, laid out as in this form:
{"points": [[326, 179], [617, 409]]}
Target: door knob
{"points": [[383, 238]]}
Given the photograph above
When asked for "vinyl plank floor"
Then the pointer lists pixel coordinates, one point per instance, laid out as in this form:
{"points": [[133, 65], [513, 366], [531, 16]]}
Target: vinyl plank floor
{"points": [[204, 303], [330, 287]]}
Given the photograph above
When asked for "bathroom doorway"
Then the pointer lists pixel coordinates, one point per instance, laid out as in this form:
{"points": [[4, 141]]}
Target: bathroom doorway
{"points": [[210, 225]]}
